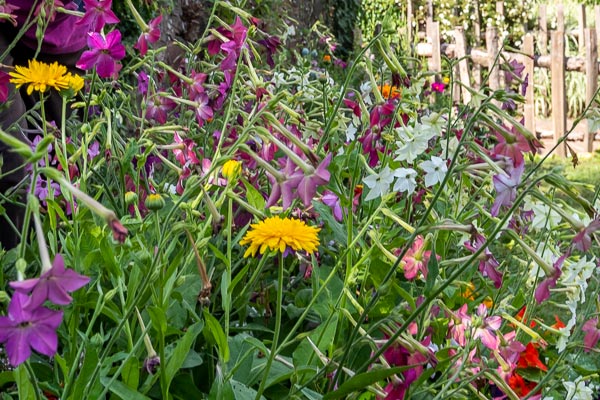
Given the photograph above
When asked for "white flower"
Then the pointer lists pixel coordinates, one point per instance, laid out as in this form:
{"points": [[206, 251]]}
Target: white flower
{"points": [[578, 390], [379, 184], [563, 339], [544, 216], [410, 146], [434, 122], [406, 180], [350, 133], [435, 170], [576, 276]]}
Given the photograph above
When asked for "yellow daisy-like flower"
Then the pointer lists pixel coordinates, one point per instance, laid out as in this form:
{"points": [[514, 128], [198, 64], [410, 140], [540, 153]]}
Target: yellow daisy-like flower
{"points": [[280, 234], [75, 82], [231, 169], [40, 76]]}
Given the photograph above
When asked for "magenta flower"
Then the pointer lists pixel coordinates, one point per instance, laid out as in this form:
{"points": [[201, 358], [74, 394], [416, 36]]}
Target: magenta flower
{"points": [[23, 329], [150, 36], [52, 285], [158, 107], [486, 327], [307, 187], [286, 187], [438, 87], [4, 79], [542, 292], [506, 187], [204, 111], [97, 14], [104, 54], [592, 334]]}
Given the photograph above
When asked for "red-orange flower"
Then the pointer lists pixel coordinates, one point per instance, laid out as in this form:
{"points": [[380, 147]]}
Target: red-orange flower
{"points": [[388, 91], [520, 386], [530, 358]]}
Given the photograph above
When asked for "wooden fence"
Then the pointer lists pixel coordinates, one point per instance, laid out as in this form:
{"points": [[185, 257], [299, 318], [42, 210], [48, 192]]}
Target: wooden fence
{"points": [[471, 60]]}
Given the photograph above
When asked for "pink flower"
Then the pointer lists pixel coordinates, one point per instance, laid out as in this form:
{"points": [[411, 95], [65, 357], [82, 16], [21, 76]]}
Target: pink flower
{"points": [[4, 79], [416, 259], [487, 263], [307, 187], [583, 240], [332, 201], [486, 327], [592, 334], [186, 154], [97, 14], [103, 54], [542, 292], [150, 36]]}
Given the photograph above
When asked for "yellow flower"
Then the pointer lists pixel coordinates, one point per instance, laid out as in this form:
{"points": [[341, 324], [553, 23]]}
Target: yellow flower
{"points": [[75, 82], [280, 234], [40, 76], [231, 169]]}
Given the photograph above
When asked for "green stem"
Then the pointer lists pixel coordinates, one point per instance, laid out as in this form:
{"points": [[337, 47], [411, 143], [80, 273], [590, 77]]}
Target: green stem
{"points": [[278, 312]]}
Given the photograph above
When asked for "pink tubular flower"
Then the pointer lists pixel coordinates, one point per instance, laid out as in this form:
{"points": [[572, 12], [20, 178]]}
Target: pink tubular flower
{"points": [[104, 54], [307, 187], [4, 79], [416, 259], [486, 328], [331, 200], [592, 334], [150, 36], [97, 14], [487, 263], [583, 240], [186, 154], [23, 329]]}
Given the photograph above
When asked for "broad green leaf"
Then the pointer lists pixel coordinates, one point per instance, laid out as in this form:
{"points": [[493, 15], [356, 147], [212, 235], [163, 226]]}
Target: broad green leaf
{"points": [[90, 362], [26, 390], [159, 321], [122, 390], [131, 373], [181, 351], [215, 334], [255, 199], [361, 381]]}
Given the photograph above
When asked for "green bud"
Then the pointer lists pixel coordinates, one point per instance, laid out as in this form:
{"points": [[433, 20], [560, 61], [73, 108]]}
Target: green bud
{"points": [[131, 198], [154, 201], [4, 297], [21, 265], [97, 340]]}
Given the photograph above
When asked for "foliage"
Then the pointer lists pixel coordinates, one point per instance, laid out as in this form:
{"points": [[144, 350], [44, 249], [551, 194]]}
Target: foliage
{"points": [[258, 222]]}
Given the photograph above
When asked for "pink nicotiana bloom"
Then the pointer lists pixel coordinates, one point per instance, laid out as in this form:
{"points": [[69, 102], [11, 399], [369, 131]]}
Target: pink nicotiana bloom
{"points": [[4, 80], [331, 200], [150, 36], [487, 262], [583, 240], [307, 187], [416, 259], [97, 14], [542, 292], [104, 54], [592, 334], [506, 187]]}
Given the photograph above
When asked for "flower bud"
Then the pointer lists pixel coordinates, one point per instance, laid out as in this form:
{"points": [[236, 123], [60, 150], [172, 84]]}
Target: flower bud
{"points": [[4, 297], [131, 198], [154, 202], [231, 169]]}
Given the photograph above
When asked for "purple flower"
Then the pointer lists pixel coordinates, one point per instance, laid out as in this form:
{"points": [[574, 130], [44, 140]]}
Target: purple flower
{"points": [[97, 14], [332, 201], [143, 79], [93, 150], [515, 69], [506, 187], [204, 111], [25, 329], [542, 292], [103, 54], [158, 107], [52, 285], [4, 79], [284, 188], [150, 36], [43, 186], [438, 87], [307, 187]]}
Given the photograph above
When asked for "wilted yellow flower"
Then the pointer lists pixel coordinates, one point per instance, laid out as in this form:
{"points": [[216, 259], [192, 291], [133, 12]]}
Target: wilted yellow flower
{"points": [[281, 234], [231, 169], [40, 76]]}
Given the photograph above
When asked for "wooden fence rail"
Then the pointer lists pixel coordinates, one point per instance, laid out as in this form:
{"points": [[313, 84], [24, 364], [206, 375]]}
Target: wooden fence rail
{"points": [[552, 57]]}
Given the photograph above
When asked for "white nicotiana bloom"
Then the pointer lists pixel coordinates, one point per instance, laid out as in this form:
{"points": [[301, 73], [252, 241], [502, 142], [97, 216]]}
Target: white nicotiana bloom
{"points": [[435, 170], [365, 91], [576, 276], [410, 144], [578, 390], [434, 122], [379, 184], [563, 339], [406, 180], [350, 133], [543, 216], [451, 145]]}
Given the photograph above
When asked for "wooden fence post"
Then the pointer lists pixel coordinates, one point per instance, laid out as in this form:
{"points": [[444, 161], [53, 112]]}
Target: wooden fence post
{"points": [[591, 76], [463, 65], [581, 28], [543, 30], [528, 62], [435, 64], [597, 19], [491, 42], [560, 18], [476, 68], [559, 106]]}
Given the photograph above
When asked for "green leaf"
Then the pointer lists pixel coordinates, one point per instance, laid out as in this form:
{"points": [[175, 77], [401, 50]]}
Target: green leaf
{"points": [[181, 351], [131, 373], [6, 377], [361, 381], [215, 334], [26, 390], [159, 321], [90, 362], [433, 271], [255, 199], [122, 390]]}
